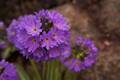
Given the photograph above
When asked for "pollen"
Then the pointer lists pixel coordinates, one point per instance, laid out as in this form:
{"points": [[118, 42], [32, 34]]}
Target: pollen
{"points": [[46, 40], [34, 29], [77, 62], [33, 40]]}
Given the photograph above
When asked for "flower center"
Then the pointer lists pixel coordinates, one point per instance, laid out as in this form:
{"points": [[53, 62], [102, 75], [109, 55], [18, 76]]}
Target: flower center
{"points": [[46, 24], [1, 69], [33, 40], [46, 40], [80, 52], [34, 29]]}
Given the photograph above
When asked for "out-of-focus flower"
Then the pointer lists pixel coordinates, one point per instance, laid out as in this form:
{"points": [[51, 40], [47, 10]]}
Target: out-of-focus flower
{"points": [[83, 55], [11, 34], [7, 71], [3, 44], [2, 25], [37, 36]]}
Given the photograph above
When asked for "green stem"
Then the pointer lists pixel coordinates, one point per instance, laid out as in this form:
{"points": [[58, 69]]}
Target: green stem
{"points": [[35, 69], [44, 70], [53, 70], [48, 71]]}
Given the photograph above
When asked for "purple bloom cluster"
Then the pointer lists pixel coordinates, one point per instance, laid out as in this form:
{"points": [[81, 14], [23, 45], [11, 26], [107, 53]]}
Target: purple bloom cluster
{"points": [[41, 35], [7, 71], [83, 55], [45, 35]]}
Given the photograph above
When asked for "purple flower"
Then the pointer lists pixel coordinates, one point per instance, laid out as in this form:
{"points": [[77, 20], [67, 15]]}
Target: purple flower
{"points": [[58, 20], [53, 19], [38, 55], [7, 71], [61, 50], [47, 41], [60, 36], [83, 55], [22, 35], [38, 36], [30, 24], [55, 29], [44, 54], [12, 34], [54, 38]]}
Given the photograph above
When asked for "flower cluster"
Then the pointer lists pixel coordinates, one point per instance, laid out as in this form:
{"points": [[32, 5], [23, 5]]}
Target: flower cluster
{"points": [[7, 71], [83, 55], [41, 35], [45, 35]]}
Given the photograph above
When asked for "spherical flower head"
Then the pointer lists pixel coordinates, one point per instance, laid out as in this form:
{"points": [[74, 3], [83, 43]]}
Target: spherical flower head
{"points": [[83, 56], [7, 71], [36, 35]]}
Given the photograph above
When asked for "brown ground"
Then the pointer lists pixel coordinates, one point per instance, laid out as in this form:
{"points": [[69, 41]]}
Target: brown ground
{"points": [[107, 66]]}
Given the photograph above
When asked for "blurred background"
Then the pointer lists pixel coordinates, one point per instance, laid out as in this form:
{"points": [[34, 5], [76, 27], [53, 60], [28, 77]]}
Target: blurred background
{"points": [[95, 19]]}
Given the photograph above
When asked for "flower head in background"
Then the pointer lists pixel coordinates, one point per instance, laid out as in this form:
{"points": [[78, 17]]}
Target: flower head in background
{"points": [[83, 55], [2, 25], [7, 71], [37, 36], [11, 33]]}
